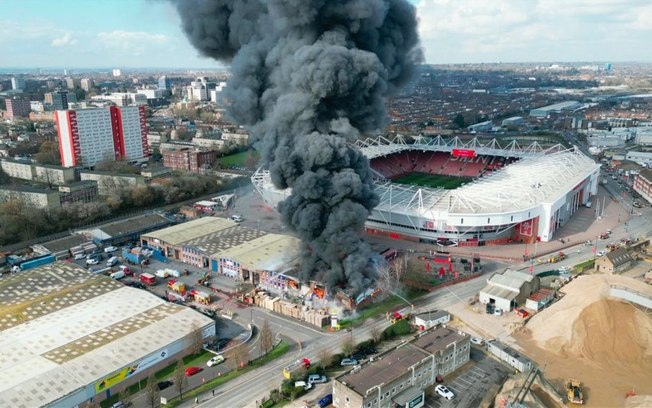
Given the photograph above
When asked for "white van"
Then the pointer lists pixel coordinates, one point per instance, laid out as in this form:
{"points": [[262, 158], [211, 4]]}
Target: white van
{"points": [[162, 273], [112, 261], [117, 275]]}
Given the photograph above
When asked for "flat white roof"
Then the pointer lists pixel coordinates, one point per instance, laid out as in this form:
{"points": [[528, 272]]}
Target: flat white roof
{"points": [[62, 329]]}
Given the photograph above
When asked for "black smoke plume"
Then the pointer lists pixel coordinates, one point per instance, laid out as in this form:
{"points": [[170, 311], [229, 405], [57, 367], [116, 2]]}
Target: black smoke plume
{"points": [[308, 78]]}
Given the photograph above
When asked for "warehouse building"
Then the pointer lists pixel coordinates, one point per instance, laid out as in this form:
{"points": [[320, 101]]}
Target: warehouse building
{"points": [[261, 261], [195, 242], [399, 377], [68, 337], [560, 107], [130, 229], [509, 289]]}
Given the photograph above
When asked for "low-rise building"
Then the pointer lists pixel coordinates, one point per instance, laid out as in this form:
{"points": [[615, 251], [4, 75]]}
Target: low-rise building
{"points": [[80, 192], [509, 289], [195, 161], [31, 196], [643, 184], [128, 230], [642, 158], [616, 261], [427, 320], [108, 182], [43, 173], [399, 377]]}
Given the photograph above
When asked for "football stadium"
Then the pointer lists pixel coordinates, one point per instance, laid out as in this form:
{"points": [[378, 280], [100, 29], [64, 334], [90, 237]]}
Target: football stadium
{"points": [[469, 193]]}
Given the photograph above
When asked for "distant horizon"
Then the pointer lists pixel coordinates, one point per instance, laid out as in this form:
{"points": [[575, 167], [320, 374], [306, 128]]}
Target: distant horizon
{"points": [[226, 67]]}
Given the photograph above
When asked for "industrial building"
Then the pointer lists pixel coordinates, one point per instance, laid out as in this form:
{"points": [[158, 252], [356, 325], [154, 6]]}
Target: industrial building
{"points": [[544, 111], [642, 158], [398, 378], [127, 230], [227, 248], [260, 261], [89, 136], [643, 184], [68, 337], [508, 289]]}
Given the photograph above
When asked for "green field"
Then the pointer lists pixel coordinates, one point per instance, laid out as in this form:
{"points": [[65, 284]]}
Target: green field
{"points": [[238, 159], [432, 180]]}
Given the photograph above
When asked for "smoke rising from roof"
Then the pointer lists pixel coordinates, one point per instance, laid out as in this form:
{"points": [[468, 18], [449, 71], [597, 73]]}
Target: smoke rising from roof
{"points": [[308, 78]]}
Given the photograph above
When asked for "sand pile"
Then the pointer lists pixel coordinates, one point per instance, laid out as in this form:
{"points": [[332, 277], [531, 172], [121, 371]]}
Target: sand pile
{"points": [[586, 323], [609, 330]]}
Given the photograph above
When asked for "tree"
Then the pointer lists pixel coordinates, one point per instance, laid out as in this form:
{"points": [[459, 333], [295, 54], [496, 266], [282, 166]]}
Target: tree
{"points": [[180, 380], [347, 346], [266, 338], [376, 333], [196, 339], [459, 121], [152, 393], [237, 357], [325, 357]]}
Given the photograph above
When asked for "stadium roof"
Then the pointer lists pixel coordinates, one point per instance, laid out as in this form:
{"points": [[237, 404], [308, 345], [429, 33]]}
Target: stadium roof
{"points": [[381, 146], [62, 329], [539, 176]]}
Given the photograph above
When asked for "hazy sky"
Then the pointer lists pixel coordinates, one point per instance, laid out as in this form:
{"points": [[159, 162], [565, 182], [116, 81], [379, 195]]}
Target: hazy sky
{"points": [[146, 33]]}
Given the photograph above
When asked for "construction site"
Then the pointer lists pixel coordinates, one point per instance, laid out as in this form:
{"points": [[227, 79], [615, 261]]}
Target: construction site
{"points": [[591, 347]]}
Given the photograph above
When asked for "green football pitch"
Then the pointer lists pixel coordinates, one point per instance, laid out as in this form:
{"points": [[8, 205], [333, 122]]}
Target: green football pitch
{"points": [[432, 180]]}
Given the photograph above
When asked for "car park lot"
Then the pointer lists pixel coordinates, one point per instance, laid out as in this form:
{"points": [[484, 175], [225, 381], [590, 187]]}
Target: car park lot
{"points": [[470, 385]]}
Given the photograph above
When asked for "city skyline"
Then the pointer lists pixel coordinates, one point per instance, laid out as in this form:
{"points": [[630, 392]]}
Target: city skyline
{"points": [[143, 33]]}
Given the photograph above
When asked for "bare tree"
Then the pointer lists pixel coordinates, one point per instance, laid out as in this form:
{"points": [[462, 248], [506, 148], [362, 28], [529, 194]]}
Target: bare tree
{"points": [[347, 346], [325, 357], [180, 380], [266, 338], [376, 333], [196, 339], [237, 357], [152, 393]]}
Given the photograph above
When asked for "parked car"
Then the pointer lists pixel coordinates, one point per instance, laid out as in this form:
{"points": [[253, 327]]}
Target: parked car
{"points": [[190, 371], [601, 253], [306, 386], [349, 362], [126, 270], [80, 256], [92, 261], [325, 401], [164, 384], [564, 269], [317, 379], [443, 391], [477, 341], [112, 261], [110, 248], [215, 361]]}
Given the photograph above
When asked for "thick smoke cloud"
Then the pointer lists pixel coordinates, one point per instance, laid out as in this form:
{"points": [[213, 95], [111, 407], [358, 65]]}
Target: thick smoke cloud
{"points": [[308, 78]]}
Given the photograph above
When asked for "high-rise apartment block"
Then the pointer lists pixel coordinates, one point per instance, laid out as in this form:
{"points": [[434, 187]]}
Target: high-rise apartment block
{"points": [[163, 83], [72, 83], [87, 84], [58, 100], [18, 107], [17, 83], [89, 136]]}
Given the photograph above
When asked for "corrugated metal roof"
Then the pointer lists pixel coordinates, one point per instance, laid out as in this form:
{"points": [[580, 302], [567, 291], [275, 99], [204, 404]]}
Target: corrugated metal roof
{"points": [[495, 291], [268, 252], [181, 233]]}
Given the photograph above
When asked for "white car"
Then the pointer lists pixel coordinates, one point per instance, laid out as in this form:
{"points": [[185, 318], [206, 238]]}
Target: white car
{"points": [[477, 341], [306, 386], [92, 261], [110, 249], [215, 361], [564, 269], [601, 253], [80, 256], [443, 391], [317, 379]]}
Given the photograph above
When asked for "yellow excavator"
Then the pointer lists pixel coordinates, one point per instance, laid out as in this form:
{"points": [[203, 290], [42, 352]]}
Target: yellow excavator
{"points": [[575, 394]]}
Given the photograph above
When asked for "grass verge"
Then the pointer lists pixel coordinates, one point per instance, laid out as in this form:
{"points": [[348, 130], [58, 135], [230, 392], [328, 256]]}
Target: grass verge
{"points": [[278, 351], [379, 308]]}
